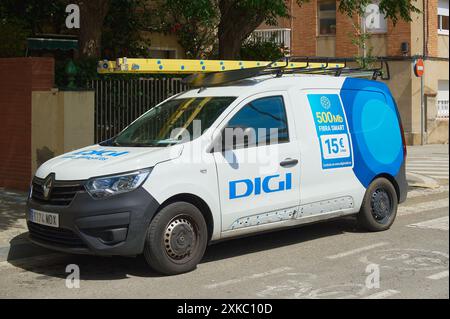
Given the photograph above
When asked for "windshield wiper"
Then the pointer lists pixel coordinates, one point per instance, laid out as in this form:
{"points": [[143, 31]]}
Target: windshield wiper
{"points": [[169, 141]]}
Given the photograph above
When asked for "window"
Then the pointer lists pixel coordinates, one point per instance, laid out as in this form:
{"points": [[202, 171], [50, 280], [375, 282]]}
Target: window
{"points": [[262, 121], [374, 21], [443, 17], [327, 18], [173, 122]]}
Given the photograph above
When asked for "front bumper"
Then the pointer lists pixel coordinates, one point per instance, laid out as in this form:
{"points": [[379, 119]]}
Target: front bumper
{"points": [[113, 226]]}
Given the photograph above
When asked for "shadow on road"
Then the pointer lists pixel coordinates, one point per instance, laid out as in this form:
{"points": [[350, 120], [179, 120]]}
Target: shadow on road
{"points": [[12, 208], [51, 264]]}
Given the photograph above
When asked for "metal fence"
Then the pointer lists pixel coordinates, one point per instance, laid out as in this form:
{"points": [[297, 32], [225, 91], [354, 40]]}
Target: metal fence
{"points": [[119, 102]]}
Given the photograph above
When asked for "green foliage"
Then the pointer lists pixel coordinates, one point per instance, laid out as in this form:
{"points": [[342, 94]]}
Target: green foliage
{"points": [[122, 28], [393, 9], [13, 35], [261, 51], [364, 58], [36, 16], [193, 22]]}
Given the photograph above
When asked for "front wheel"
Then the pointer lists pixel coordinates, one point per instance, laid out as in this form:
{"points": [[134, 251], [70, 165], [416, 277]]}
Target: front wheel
{"points": [[379, 207], [176, 239]]}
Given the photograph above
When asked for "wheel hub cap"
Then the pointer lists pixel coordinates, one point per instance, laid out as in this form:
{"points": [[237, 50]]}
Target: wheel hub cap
{"points": [[381, 204], [179, 238]]}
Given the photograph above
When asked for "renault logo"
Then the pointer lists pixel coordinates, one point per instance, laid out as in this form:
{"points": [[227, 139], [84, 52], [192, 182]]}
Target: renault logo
{"points": [[47, 187]]}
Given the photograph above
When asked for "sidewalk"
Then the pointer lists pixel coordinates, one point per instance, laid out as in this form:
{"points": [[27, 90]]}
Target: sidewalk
{"points": [[12, 215]]}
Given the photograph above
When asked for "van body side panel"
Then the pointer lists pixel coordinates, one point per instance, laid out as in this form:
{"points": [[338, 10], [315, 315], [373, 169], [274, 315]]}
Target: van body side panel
{"points": [[327, 184], [375, 129], [190, 175]]}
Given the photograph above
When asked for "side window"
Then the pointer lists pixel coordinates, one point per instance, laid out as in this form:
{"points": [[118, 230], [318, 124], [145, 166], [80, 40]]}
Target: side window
{"points": [[260, 122]]}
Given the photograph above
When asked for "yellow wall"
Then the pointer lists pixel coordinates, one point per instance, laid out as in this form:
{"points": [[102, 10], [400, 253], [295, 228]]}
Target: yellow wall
{"points": [[443, 46], [61, 122]]}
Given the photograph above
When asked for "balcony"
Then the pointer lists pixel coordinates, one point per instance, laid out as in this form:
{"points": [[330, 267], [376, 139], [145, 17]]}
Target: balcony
{"points": [[280, 36], [442, 109]]}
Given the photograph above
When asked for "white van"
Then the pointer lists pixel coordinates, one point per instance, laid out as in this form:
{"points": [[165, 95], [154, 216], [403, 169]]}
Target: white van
{"points": [[304, 148]]}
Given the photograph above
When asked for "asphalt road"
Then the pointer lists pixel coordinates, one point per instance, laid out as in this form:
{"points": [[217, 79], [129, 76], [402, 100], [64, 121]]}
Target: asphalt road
{"points": [[328, 260]]}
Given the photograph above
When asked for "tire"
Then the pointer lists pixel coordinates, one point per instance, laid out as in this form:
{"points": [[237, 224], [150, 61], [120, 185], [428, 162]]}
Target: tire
{"points": [[379, 207], [176, 239]]}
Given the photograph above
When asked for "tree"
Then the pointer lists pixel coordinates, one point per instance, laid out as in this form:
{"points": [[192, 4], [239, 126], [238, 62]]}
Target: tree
{"points": [[122, 29], [193, 22], [20, 19], [92, 17], [239, 18]]}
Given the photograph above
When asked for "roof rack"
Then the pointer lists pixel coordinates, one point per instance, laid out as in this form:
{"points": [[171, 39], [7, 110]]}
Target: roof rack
{"points": [[296, 65]]}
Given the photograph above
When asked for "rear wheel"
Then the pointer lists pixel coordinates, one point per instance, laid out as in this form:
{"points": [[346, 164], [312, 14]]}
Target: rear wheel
{"points": [[379, 207], [176, 239]]}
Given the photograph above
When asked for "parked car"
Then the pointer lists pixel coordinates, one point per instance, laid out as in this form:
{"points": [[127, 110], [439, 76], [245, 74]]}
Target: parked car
{"points": [[303, 149]]}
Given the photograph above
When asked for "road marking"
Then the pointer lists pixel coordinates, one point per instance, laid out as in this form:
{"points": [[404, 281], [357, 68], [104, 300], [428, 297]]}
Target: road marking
{"points": [[245, 278], [439, 275], [437, 223], [422, 207], [357, 250], [383, 294]]}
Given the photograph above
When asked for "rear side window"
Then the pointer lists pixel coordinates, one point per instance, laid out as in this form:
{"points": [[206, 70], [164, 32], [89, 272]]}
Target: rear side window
{"points": [[266, 117]]}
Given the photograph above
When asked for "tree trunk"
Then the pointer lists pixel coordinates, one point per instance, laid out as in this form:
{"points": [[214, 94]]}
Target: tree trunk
{"points": [[229, 44], [234, 27], [92, 16]]}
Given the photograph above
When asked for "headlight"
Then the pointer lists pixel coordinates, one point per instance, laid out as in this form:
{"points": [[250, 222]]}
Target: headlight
{"points": [[101, 187]]}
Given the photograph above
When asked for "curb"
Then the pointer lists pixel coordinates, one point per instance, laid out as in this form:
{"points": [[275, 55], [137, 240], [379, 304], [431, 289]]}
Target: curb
{"points": [[417, 180]]}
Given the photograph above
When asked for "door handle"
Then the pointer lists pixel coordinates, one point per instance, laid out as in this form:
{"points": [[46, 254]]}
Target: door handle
{"points": [[289, 162]]}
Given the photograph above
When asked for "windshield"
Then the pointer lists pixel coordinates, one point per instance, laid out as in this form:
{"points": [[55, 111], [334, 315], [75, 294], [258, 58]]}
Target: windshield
{"points": [[168, 123]]}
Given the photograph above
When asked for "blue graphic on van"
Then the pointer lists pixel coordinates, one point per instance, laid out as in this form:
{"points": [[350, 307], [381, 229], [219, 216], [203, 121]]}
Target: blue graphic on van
{"points": [[259, 185], [332, 131], [98, 154], [375, 129]]}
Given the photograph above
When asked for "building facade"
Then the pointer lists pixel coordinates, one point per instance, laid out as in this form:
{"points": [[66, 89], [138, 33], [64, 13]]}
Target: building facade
{"points": [[317, 28]]}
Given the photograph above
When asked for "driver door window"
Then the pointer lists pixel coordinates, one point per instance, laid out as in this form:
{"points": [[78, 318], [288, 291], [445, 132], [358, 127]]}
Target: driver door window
{"points": [[260, 122]]}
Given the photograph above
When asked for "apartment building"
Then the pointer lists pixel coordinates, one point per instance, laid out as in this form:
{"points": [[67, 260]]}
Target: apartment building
{"points": [[317, 28]]}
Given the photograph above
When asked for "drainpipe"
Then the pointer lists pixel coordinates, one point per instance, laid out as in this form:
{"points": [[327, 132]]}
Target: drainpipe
{"points": [[291, 25]]}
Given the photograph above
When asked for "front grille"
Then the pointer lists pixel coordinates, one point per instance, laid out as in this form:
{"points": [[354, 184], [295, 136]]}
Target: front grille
{"points": [[61, 194], [52, 235]]}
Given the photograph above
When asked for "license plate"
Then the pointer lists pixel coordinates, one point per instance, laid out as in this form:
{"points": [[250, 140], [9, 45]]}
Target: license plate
{"points": [[44, 218]]}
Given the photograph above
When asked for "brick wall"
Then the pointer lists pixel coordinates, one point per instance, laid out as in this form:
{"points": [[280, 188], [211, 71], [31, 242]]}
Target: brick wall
{"points": [[432, 28], [396, 35], [304, 26], [345, 31], [18, 78]]}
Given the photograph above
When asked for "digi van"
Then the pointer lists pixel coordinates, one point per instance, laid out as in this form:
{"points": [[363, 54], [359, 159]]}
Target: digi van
{"points": [[317, 144]]}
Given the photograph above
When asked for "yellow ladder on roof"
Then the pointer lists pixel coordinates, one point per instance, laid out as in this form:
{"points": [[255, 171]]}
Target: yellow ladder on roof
{"points": [[185, 66]]}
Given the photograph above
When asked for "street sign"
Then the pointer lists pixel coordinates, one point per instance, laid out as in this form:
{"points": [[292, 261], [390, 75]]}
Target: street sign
{"points": [[419, 68]]}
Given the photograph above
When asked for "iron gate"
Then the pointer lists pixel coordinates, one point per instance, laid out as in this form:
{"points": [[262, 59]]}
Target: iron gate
{"points": [[119, 102]]}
